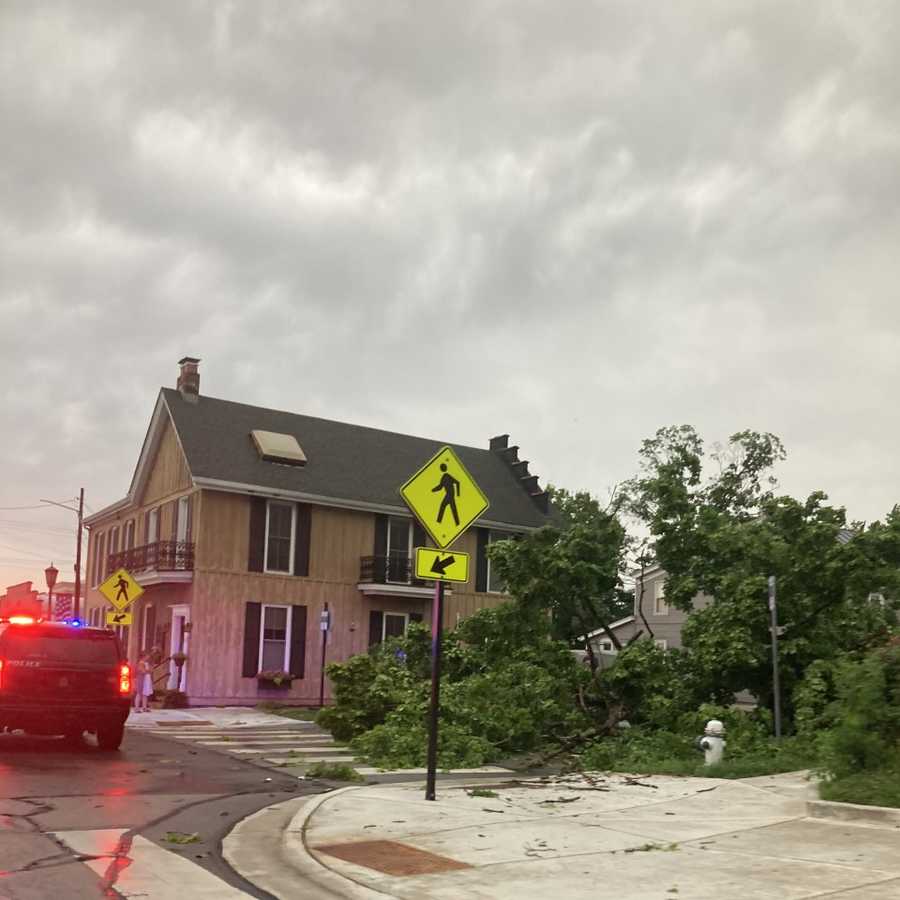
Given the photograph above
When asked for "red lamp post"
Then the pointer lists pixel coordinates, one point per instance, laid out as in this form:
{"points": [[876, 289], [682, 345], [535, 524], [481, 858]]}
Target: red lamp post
{"points": [[50, 574]]}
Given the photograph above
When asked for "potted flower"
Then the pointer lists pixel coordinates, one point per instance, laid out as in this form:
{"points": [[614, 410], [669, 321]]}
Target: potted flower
{"points": [[276, 679]]}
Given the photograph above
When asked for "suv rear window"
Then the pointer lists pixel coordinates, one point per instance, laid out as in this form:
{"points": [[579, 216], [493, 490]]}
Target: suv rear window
{"points": [[78, 647]]}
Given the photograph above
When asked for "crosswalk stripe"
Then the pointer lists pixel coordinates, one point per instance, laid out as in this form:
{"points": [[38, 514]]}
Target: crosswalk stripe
{"points": [[483, 770], [150, 871], [301, 761], [318, 752]]}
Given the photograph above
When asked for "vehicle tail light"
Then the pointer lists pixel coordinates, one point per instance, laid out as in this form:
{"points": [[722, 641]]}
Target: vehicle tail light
{"points": [[124, 679], [1, 673]]}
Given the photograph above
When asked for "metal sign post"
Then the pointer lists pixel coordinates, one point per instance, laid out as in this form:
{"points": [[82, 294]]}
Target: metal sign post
{"points": [[446, 500], [324, 624], [437, 619], [776, 681]]}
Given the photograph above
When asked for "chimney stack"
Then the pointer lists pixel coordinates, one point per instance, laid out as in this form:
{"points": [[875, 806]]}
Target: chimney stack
{"points": [[189, 379]]}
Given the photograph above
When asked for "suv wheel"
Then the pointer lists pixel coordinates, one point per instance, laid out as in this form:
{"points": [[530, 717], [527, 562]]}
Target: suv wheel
{"points": [[110, 736]]}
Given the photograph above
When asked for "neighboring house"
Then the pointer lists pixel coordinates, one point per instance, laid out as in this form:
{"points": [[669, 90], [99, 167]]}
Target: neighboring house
{"points": [[242, 523], [21, 598], [650, 604]]}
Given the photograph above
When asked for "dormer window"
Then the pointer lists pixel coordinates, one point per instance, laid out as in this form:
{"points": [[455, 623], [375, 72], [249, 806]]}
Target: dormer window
{"points": [[278, 448]]}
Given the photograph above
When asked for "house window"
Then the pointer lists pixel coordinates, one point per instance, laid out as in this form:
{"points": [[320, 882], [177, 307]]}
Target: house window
{"points": [[280, 537], [128, 542], [399, 549], [494, 584], [152, 526], [394, 625], [660, 607], [99, 562], [661, 643], [113, 540], [274, 639], [182, 514], [606, 646]]}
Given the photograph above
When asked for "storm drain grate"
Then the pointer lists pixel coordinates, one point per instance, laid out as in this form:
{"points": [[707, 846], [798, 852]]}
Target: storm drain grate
{"points": [[392, 858]]}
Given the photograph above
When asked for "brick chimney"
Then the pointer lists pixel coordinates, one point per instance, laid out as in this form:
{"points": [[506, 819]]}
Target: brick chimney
{"points": [[189, 379]]}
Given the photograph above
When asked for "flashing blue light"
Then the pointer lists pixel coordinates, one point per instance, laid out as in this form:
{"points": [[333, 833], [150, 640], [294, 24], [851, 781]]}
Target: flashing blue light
{"points": [[75, 623]]}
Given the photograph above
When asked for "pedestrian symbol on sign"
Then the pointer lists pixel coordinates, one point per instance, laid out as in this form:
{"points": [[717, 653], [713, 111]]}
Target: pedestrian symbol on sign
{"points": [[122, 595], [450, 486]]}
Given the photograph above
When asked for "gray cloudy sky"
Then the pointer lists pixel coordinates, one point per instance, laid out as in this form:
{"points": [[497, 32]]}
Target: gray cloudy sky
{"points": [[575, 222]]}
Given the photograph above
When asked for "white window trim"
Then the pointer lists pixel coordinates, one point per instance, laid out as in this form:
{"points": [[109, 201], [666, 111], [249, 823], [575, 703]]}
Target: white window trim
{"points": [[660, 606], [384, 616], [287, 635], [152, 536], [661, 643], [606, 647], [131, 527], [290, 569]]}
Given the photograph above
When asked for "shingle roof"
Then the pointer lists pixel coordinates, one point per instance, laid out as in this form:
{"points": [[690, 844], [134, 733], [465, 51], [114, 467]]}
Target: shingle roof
{"points": [[345, 462]]}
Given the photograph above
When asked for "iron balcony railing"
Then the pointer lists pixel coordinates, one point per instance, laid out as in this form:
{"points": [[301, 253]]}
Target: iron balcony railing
{"points": [[391, 569], [163, 556]]}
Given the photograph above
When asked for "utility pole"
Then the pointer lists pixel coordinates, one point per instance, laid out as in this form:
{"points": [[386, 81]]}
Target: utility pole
{"points": [[776, 681], [76, 610], [80, 511]]}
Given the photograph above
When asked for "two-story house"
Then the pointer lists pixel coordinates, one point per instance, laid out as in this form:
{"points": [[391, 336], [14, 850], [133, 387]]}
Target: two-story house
{"points": [[652, 616], [244, 524]]}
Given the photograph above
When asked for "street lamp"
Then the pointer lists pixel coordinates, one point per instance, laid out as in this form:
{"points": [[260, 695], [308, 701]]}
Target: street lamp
{"points": [[50, 574]]}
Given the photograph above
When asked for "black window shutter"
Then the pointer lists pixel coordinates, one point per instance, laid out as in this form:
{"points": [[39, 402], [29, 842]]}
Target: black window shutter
{"points": [[381, 523], [257, 553], [376, 622], [419, 536], [301, 545], [415, 617], [298, 641], [481, 536], [252, 617]]}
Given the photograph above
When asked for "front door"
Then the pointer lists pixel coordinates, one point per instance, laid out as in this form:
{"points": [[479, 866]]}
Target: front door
{"points": [[179, 642]]}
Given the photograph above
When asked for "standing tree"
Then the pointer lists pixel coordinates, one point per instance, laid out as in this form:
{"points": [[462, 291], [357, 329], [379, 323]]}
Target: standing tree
{"points": [[570, 572], [724, 535]]}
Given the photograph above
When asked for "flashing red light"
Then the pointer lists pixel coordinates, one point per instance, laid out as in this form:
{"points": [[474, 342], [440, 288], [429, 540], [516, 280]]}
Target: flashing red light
{"points": [[124, 679], [21, 620], [1, 673]]}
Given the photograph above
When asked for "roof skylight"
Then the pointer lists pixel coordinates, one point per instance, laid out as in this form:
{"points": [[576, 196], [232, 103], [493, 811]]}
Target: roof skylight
{"points": [[280, 448]]}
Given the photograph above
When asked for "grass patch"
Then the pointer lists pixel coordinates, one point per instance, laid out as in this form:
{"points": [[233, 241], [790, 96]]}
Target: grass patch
{"points": [[482, 792], [658, 754], [880, 787], [298, 713], [179, 837], [334, 772]]}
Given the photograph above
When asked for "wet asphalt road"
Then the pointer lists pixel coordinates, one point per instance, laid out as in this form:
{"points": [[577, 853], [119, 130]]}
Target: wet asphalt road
{"points": [[151, 786]]}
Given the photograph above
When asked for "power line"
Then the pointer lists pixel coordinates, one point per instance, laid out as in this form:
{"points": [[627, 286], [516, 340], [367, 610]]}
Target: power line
{"points": [[39, 506]]}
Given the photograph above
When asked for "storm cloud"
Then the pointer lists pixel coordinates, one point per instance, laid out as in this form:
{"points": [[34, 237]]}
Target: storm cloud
{"points": [[571, 222]]}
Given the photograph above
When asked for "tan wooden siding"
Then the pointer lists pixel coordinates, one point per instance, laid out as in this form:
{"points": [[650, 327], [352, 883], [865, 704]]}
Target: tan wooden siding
{"points": [[338, 538], [169, 473]]}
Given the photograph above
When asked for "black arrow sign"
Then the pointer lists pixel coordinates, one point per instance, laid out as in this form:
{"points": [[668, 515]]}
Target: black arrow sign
{"points": [[118, 617], [440, 565]]}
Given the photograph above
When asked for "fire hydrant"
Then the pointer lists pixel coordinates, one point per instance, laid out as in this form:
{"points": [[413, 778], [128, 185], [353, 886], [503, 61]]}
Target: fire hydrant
{"points": [[712, 743]]}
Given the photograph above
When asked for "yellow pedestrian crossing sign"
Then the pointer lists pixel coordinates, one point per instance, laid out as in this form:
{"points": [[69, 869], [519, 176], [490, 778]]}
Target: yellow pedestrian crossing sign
{"points": [[114, 617], [444, 497], [121, 589], [441, 565]]}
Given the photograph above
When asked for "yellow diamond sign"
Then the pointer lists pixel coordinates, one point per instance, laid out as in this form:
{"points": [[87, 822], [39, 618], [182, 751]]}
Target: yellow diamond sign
{"points": [[442, 565], [444, 497], [121, 589]]}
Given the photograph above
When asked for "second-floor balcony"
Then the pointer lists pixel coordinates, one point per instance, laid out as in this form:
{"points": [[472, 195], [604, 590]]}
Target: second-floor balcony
{"points": [[392, 574], [156, 563]]}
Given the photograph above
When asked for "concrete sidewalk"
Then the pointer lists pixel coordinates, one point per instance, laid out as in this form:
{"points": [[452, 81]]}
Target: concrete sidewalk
{"points": [[217, 716], [646, 838]]}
